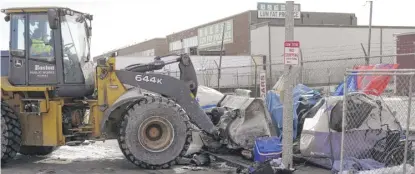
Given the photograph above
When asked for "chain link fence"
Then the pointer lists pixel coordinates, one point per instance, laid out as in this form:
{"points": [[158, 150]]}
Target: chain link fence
{"points": [[376, 127], [319, 67], [377, 130], [324, 72]]}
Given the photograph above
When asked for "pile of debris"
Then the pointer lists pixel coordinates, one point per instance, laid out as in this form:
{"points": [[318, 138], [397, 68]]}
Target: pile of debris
{"points": [[253, 129]]}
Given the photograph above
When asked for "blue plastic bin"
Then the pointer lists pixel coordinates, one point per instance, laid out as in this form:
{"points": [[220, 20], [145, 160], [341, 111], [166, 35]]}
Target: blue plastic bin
{"points": [[267, 148]]}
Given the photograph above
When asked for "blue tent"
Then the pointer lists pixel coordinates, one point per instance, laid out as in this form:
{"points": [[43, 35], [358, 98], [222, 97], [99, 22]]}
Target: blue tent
{"points": [[351, 85], [275, 107]]}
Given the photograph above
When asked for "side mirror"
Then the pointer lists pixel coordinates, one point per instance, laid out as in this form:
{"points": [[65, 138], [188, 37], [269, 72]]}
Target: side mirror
{"points": [[53, 18], [7, 18]]}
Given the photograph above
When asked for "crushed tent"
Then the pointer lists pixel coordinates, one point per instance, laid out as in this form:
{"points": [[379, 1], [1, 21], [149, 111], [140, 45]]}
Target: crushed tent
{"points": [[373, 133]]}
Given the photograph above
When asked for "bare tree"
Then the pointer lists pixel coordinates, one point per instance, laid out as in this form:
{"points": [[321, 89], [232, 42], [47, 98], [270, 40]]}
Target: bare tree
{"points": [[206, 70]]}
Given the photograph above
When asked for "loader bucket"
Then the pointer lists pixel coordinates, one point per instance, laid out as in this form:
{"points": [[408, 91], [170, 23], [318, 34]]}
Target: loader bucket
{"points": [[252, 120]]}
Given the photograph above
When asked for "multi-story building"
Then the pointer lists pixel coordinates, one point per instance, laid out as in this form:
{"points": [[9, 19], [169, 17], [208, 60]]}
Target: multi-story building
{"points": [[206, 39]]}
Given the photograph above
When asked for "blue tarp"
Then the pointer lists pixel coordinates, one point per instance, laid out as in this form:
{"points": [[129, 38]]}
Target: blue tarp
{"points": [[351, 86], [275, 108]]}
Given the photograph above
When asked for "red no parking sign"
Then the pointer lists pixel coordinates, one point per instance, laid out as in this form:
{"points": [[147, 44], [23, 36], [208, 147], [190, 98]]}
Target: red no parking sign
{"points": [[291, 52]]}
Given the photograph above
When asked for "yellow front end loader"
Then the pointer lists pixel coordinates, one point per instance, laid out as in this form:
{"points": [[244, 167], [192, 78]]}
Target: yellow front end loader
{"points": [[54, 95]]}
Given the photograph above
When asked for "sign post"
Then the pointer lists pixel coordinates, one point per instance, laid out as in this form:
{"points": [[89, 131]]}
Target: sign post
{"points": [[291, 52]]}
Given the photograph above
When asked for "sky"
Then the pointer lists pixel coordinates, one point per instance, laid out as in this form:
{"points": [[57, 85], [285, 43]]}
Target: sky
{"points": [[119, 23]]}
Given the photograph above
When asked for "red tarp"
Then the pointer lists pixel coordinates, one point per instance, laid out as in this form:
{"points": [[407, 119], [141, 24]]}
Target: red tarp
{"points": [[374, 84]]}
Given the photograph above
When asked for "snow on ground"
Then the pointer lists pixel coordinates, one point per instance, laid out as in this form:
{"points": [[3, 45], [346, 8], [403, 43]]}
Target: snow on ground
{"points": [[94, 151], [105, 157], [98, 157]]}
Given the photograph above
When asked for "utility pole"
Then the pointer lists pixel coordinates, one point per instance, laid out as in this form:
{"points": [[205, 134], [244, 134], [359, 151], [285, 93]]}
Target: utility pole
{"points": [[370, 33], [289, 79]]}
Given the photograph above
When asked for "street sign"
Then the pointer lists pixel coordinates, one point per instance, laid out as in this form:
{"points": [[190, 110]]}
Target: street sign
{"points": [[262, 84], [291, 52], [268, 10]]}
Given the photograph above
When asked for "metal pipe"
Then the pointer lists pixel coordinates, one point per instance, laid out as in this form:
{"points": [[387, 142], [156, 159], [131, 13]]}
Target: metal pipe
{"points": [[370, 33], [343, 124], [301, 66], [381, 74], [408, 119], [270, 52], [237, 77], [381, 70], [381, 44]]}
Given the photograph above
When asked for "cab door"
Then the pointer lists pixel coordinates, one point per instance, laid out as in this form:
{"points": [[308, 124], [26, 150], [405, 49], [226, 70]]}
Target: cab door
{"points": [[41, 56], [17, 74]]}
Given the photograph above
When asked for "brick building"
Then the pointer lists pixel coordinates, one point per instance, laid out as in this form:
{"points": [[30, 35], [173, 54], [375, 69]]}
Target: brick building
{"points": [[206, 39]]}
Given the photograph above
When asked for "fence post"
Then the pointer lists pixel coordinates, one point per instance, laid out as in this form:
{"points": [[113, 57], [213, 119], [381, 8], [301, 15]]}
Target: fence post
{"points": [[301, 66], [345, 86], [237, 77], [381, 45], [408, 119], [256, 78]]}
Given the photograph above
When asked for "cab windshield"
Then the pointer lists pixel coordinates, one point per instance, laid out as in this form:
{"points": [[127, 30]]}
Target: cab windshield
{"points": [[74, 37]]}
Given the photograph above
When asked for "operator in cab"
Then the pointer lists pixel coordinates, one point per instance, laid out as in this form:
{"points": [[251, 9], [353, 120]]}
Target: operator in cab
{"points": [[40, 47]]}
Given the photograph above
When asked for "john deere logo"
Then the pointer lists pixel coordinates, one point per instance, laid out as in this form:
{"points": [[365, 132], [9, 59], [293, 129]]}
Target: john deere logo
{"points": [[18, 63]]}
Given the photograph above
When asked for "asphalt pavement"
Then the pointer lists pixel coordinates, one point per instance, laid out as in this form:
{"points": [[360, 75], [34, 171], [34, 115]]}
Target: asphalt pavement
{"points": [[106, 158]]}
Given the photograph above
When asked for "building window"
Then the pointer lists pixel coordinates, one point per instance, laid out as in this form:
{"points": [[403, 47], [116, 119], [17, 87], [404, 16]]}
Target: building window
{"points": [[175, 45], [187, 43], [190, 42], [149, 52]]}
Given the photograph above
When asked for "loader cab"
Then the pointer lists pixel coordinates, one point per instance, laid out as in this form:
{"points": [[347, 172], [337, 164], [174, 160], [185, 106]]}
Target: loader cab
{"points": [[50, 46]]}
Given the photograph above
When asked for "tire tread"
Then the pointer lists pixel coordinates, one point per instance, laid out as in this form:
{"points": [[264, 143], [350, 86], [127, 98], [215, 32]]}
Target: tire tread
{"points": [[13, 134], [149, 100]]}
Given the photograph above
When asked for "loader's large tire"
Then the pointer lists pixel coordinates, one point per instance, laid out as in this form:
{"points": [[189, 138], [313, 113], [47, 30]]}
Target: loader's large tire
{"points": [[11, 133], [36, 150], [154, 133]]}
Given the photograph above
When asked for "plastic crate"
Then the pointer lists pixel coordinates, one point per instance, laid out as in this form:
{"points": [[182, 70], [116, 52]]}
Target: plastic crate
{"points": [[266, 148]]}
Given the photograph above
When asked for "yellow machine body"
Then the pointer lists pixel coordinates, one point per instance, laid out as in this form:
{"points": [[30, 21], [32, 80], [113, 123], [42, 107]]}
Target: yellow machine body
{"points": [[54, 95], [44, 128]]}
